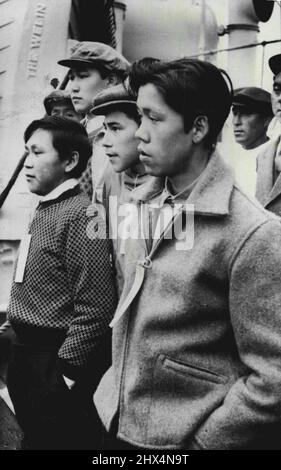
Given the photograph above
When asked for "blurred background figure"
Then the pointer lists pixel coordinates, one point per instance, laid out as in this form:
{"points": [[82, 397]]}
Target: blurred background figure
{"points": [[268, 190], [252, 113], [274, 129], [58, 103]]}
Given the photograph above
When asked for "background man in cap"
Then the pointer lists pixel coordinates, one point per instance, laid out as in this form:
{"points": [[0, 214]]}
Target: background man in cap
{"points": [[268, 190], [93, 67], [58, 103], [252, 114], [197, 332]]}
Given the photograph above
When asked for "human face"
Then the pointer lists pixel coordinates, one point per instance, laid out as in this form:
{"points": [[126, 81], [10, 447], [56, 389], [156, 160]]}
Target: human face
{"points": [[164, 145], [276, 96], [65, 110], [119, 140], [44, 170], [85, 84], [249, 127]]}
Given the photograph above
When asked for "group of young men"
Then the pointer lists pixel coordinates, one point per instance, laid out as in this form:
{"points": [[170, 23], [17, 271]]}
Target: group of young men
{"points": [[188, 282]]}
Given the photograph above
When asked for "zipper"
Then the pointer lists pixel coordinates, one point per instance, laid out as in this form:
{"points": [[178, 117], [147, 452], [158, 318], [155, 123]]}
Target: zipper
{"points": [[147, 262]]}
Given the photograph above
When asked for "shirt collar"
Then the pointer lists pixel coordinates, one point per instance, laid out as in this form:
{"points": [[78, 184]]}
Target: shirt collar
{"points": [[59, 190], [210, 195], [93, 124], [274, 128], [181, 196]]}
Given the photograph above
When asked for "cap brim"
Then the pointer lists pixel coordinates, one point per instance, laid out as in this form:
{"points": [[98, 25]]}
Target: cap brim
{"points": [[262, 108], [245, 108], [72, 62], [240, 105], [103, 108], [275, 64]]}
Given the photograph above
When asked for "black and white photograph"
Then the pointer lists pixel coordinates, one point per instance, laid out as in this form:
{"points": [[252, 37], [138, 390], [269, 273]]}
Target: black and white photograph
{"points": [[140, 229]]}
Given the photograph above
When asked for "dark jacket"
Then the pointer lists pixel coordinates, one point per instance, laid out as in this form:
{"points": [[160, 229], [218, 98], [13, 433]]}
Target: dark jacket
{"points": [[268, 192]]}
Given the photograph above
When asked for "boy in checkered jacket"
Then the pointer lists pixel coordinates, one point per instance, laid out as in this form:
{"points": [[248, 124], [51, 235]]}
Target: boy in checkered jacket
{"points": [[62, 298]]}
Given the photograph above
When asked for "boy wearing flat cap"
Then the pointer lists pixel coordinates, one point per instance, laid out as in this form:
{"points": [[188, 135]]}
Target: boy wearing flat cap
{"points": [[197, 331], [268, 190], [93, 67], [58, 103], [251, 115], [126, 172]]}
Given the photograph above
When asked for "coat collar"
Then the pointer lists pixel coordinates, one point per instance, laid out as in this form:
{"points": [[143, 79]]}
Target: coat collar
{"points": [[266, 192], [211, 194], [62, 188]]}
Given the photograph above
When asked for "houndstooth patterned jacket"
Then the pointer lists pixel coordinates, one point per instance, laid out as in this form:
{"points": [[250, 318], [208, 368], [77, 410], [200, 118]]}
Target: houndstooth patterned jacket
{"points": [[68, 285]]}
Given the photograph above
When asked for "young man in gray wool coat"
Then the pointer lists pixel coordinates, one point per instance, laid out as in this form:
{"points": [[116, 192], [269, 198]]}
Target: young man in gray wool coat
{"points": [[197, 332]]}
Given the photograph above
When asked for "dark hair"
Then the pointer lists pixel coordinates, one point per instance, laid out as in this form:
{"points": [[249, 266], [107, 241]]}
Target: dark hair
{"points": [[132, 112], [189, 86], [67, 136], [104, 71], [120, 75]]}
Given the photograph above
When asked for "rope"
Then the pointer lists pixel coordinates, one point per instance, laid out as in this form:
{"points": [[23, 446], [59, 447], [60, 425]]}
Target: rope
{"points": [[4, 194], [111, 23]]}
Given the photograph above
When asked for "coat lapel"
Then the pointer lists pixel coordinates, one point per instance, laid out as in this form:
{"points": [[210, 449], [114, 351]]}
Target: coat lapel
{"points": [[210, 196]]}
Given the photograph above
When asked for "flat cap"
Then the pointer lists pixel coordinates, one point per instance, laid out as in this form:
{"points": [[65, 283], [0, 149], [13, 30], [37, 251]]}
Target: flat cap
{"points": [[275, 63], [253, 98], [94, 53], [56, 96], [112, 97]]}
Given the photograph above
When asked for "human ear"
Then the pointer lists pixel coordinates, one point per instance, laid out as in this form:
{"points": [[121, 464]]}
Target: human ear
{"points": [[111, 80], [72, 162], [200, 129]]}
